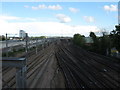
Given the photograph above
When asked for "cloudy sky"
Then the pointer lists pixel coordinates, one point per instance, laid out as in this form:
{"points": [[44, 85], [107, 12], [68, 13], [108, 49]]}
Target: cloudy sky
{"points": [[57, 18]]}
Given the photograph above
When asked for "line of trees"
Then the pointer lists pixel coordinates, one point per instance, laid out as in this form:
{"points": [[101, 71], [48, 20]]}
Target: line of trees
{"points": [[115, 37], [102, 44], [39, 37], [2, 37]]}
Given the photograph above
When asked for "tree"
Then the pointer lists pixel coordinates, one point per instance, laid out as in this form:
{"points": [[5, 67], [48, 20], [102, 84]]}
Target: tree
{"points": [[105, 44], [92, 34], [95, 45], [2, 37], [79, 39], [115, 37]]}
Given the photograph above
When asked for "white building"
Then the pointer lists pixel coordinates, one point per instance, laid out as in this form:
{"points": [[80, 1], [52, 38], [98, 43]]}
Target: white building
{"points": [[22, 34]]}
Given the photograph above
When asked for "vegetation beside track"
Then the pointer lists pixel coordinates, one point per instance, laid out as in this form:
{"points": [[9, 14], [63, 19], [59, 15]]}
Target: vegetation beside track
{"points": [[101, 44]]}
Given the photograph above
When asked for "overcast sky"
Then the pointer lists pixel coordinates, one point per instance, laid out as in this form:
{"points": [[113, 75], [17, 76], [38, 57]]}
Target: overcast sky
{"points": [[57, 18]]}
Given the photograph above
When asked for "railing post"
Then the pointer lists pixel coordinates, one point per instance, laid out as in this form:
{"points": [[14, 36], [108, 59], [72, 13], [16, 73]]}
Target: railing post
{"points": [[21, 77]]}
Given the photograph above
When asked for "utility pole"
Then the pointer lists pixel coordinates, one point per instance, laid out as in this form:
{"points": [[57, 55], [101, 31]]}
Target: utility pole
{"points": [[26, 42], [26, 46], [26, 56], [6, 46], [36, 45]]}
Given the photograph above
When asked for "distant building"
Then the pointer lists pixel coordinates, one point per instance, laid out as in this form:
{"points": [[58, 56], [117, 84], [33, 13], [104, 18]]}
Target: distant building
{"points": [[22, 34], [88, 41], [15, 38]]}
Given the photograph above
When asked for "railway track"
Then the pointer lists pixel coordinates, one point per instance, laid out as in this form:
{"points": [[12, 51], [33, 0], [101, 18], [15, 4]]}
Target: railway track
{"points": [[81, 68], [33, 64], [90, 70], [103, 65]]}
